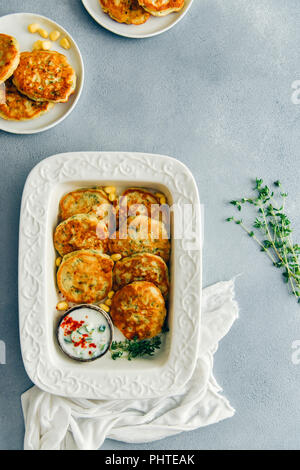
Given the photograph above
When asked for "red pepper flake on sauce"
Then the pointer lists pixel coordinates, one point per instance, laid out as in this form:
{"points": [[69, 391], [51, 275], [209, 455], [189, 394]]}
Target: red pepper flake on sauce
{"points": [[69, 325], [81, 343]]}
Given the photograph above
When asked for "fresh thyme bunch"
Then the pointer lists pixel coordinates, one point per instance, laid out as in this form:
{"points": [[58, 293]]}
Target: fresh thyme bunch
{"points": [[135, 348], [274, 228]]}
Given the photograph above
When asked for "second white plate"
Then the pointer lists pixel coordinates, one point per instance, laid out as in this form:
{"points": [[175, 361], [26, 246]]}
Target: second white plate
{"points": [[16, 25], [152, 27]]}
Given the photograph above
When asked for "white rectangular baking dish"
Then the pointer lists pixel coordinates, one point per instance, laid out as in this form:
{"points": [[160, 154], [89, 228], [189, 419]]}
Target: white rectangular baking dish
{"points": [[168, 371]]}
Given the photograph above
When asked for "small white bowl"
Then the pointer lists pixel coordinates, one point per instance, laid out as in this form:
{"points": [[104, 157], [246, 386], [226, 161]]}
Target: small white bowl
{"points": [[100, 313]]}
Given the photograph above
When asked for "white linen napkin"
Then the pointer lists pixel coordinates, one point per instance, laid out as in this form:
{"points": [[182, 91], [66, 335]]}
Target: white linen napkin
{"points": [[56, 423]]}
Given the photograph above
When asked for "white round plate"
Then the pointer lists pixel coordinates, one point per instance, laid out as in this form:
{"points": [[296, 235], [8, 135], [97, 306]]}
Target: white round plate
{"points": [[16, 25], [152, 27]]}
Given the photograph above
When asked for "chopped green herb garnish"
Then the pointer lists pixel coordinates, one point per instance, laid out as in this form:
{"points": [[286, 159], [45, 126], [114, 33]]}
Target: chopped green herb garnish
{"points": [[68, 340], [135, 348]]}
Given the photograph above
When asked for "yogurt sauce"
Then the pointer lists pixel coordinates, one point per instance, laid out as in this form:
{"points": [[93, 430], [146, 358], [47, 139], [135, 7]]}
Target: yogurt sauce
{"points": [[84, 334]]}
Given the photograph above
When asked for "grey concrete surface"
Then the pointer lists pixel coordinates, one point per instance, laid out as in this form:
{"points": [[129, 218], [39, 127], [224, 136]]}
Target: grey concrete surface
{"points": [[214, 92]]}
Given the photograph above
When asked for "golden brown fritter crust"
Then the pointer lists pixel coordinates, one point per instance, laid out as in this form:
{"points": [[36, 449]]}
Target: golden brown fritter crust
{"points": [[142, 267], [139, 202], [138, 310], [18, 107], [9, 56], [82, 231], [161, 7], [85, 201], [45, 76], [125, 11], [142, 235], [85, 276]]}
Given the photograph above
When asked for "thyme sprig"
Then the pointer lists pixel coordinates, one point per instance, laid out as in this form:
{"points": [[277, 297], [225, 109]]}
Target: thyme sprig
{"points": [[272, 231], [135, 348]]}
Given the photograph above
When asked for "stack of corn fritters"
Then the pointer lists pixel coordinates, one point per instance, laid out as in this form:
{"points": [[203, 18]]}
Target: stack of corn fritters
{"points": [[32, 82], [137, 270], [139, 11]]}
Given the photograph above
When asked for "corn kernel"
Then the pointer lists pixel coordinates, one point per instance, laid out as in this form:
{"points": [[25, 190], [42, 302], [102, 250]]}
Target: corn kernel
{"points": [[163, 200], [58, 261], [37, 46], [42, 32], [33, 28], [62, 306], [108, 302], [159, 195], [54, 35], [104, 307], [65, 43], [46, 45], [111, 294], [112, 197], [116, 257], [110, 189]]}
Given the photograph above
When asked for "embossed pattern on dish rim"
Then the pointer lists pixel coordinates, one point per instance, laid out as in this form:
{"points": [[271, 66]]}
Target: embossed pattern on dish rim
{"points": [[129, 380]]}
